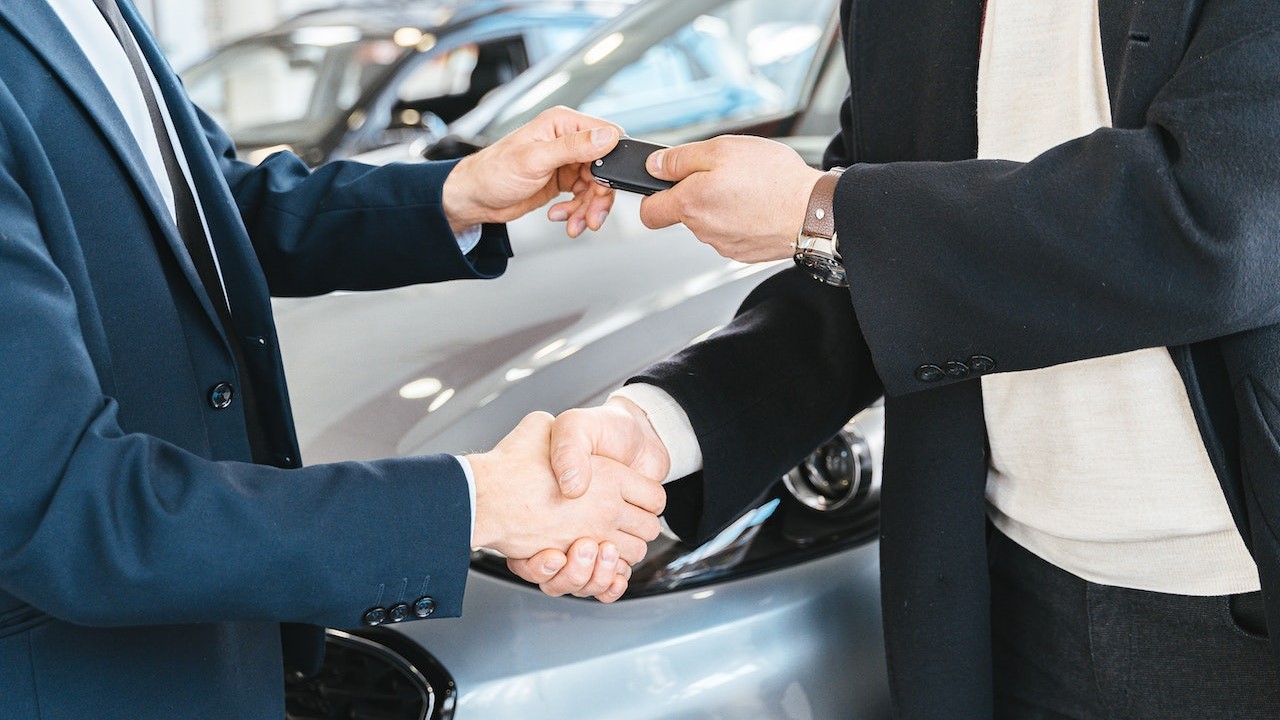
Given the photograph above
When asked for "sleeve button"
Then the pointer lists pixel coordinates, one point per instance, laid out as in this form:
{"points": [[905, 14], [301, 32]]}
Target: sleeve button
{"points": [[375, 616], [929, 373], [424, 607], [398, 613], [957, 370], [981, 364]]}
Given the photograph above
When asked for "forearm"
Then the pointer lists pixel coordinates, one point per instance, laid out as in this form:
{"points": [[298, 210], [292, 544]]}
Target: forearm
{"points": [[1124, 239], [774, 384], [349, 226]]}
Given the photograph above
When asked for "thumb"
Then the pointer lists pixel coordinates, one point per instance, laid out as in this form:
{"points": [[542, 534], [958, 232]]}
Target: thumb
{"points": [[679, 162], [539, 568], [574, 148], [575, 436]]}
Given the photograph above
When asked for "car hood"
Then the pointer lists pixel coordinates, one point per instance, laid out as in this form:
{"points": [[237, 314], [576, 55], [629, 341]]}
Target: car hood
{"points": [[451, 367]]}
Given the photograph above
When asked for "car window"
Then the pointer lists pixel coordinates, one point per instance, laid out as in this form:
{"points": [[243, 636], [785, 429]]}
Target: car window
{"points": [[289, 88], [694, 62], [447, 73], [450, 82], [822, 117]]}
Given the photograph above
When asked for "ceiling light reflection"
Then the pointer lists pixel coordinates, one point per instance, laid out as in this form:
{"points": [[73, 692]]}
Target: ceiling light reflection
{"points": [[602, 49], [550, 348], [420, 389], [439, 402], [515, 374]]}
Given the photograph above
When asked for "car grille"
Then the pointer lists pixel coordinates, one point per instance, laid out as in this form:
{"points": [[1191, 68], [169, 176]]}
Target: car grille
{"points": [[363, 678]]}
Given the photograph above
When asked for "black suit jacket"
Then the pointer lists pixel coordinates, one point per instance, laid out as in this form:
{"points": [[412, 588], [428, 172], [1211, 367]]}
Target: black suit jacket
{"points": [[1161, 231]]}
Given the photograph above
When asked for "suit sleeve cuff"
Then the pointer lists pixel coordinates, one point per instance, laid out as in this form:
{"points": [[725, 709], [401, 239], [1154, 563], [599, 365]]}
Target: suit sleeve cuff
{"points": [[671, 423], [471, 490], [468, 239]]}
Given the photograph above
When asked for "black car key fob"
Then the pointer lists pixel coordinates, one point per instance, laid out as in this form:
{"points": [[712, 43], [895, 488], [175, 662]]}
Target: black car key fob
{"points": [[623, 168]]}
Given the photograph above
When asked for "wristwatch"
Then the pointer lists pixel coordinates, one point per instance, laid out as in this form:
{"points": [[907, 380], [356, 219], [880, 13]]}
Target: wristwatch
{"points": [[817, 249]]}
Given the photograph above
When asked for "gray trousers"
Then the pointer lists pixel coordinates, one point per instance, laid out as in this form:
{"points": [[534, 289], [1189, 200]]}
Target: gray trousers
{"points": [[1067, 649]]}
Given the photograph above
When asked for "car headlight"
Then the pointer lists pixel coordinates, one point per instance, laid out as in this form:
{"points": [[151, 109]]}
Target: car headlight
{"points": [[836, 476], [374, 674]]}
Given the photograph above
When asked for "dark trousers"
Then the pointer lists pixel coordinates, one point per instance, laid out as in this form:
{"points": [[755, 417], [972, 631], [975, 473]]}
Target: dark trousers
{"points": [[1067, 649]]}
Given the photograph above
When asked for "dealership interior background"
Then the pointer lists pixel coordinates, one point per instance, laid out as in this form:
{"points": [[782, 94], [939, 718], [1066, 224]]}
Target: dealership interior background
{"points": [[188, 29]]}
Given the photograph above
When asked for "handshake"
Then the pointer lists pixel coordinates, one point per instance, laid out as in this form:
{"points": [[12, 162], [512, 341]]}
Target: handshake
{"points": [[573, 501]]}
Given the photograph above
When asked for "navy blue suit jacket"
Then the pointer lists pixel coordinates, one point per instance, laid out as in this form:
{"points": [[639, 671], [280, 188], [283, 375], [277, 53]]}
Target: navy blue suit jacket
{"points": [[145, 564], [1163, 230]]}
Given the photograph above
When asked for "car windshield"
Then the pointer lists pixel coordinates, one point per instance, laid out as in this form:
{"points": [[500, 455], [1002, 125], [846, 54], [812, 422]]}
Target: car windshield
{"points": [[684, 63], [292, 87]]}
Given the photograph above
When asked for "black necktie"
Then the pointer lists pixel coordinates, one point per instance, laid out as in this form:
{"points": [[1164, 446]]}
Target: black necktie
{"points": [[187, 217], [186, 214]]}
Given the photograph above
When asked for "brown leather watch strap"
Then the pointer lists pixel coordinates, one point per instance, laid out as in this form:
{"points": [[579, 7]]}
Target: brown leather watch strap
{"points": [[819, 220]]}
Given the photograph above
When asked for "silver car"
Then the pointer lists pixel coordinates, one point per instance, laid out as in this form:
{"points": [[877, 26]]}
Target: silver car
{"points": [[335, 82], [778, 616]]}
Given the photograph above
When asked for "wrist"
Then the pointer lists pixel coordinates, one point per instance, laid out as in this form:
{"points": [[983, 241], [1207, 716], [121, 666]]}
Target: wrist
{"points": [[802, 200], [457, 197], [638, 415], [817, 246], [483, 530]]}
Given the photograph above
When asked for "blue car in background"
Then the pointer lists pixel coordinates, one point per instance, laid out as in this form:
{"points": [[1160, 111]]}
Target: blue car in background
{"points": [[331, 83]]}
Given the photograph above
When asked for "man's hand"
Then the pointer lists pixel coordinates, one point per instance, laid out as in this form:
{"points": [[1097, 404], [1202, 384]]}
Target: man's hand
{"points": [[587, 570], [520, 510], [528, 168], [744, 196], [618, 430]]}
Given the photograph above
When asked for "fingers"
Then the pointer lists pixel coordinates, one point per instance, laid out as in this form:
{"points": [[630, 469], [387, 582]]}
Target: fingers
{"points": [[589, 570], [587, 209], [540, 568], [575, 435], [641, 524], [618, 586], [631, 548], [662, 209], [644, 493]]}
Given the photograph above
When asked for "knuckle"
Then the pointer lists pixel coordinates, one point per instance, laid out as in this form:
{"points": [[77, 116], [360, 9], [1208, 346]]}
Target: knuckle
{"points": [[539, 416]]}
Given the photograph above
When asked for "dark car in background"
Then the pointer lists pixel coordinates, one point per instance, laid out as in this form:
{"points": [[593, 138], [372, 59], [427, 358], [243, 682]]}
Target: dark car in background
{"points": [[778, 616], [331, 83]]}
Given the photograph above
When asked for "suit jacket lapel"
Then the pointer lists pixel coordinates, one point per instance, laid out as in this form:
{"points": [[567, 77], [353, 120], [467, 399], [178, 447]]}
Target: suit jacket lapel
{"points": [[49, 39], [242, 275], [919, 59], [914, 60]]}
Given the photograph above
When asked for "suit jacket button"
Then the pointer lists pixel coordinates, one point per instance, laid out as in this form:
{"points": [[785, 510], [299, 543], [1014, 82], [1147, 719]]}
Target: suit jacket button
{"points": [[981, 364], [398, 613], [375, 616], [929, 373], [221, 395], [956, 370], [424, 607]]}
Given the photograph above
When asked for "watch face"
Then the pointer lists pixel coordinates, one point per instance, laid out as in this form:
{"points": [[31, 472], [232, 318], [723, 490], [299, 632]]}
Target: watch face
{"points": [[822, 267]]}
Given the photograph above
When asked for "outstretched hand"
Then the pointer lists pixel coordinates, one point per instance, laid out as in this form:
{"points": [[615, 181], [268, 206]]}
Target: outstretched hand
{"points": [[620, 431], [525, 170], [744, 196]]}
